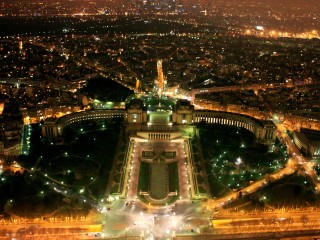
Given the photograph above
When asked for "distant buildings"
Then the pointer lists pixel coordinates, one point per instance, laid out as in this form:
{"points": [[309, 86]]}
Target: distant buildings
{"points": [[46, 74], [11, 126]]}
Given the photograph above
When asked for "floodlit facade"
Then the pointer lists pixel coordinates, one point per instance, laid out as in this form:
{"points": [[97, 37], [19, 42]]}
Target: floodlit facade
{"points": [[308, 141], [184, 113]]}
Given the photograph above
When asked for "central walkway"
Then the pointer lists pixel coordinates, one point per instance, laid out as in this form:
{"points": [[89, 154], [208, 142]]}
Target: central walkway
{"points": [[159, 180]]}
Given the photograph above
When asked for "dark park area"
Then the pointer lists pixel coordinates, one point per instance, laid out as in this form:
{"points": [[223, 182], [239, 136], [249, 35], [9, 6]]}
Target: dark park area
{"points": [[79, 166], [294, 191], [233, 158], [105, 89]]}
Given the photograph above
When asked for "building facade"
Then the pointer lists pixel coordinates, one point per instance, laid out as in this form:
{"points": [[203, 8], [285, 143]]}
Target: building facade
{"points": [[184, 113], [308, 141]]}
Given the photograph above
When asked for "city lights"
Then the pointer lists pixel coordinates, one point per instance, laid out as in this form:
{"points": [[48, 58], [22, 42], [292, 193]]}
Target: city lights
{"points": [[159, 119]]}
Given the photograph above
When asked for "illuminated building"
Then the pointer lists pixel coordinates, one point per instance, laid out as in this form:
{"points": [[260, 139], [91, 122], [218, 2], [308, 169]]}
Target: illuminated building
{"points": [[53, 127], [184, 114], [308, 141]]}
